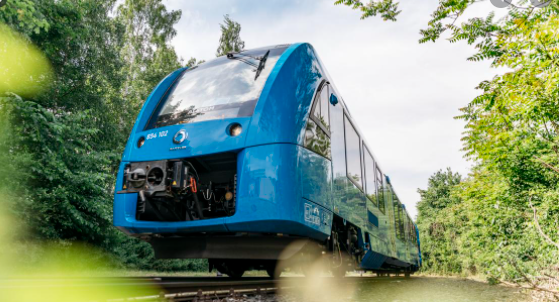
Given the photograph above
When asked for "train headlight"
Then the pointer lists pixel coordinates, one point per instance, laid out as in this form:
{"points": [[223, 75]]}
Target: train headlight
{"points": [[141, 141], [235, 129], [228, 196]]}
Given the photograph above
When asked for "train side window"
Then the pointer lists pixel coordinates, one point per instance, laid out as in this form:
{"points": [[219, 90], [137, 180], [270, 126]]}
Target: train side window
{"points": [[324, 106], [405, 226], [401, 222], [379, 184], [317, 140], [353, 154], [398, 218], [321, 110], [317, 132], [410, 227], [369, 164], [316, 110], [338, 148]]}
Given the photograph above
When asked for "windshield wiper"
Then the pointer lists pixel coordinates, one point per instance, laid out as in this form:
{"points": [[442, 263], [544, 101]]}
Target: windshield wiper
{"points": [[259, 66], [231, 55]]}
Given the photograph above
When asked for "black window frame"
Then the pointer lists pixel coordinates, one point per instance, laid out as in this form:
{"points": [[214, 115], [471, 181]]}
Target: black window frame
{"points": [[410, 229], [316, 100], [379, 178], [324, 84], [398, 218], [346, 118], [406, 225], [365, 152]]}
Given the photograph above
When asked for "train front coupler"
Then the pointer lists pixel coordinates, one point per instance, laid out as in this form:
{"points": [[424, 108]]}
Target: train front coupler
{"points": [[170, 190]]}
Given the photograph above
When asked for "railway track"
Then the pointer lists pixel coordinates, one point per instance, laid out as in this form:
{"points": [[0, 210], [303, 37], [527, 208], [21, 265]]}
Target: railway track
{"points": [[115, 289], [140, 288], [180, 289]]}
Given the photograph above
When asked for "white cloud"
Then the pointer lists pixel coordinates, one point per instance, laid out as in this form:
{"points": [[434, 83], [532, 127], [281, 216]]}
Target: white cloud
{"points": [[403, 95]]}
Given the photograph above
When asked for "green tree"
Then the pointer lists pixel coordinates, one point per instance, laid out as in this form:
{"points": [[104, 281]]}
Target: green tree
{"points": [[387, 9], [505, 224], [437, 196], [230, 40], [193, 62], [513, 125], [437, 225], [61, 148], [67, 132], [146, 50]]}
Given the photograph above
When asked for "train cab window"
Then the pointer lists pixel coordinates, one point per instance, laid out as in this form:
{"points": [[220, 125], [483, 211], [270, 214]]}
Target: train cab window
{"points": [[317, 133], [316, 110], [223, 88], [379, 184], [353, 154], [324, 106], [369, 163], [321, 108]]}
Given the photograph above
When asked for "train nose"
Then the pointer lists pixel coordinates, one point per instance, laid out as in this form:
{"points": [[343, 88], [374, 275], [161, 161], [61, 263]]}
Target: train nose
{"points": [[187, 140]]}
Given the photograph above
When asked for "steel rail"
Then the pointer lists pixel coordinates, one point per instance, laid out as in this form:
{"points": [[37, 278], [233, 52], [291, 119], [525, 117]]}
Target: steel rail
{"points": [[143, 288], [159, 288]]}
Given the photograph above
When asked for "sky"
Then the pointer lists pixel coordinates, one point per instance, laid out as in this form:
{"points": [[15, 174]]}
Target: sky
{"points": [[403, 95]]}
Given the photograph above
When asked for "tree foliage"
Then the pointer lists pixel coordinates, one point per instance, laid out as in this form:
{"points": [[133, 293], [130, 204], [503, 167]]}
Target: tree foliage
{"points": [[511, 134], [61, 147], [230, 40], [147, 52], [437, 196], [387, 9]]}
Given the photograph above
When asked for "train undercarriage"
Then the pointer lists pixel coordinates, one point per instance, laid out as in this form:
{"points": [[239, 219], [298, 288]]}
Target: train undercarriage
{"points": [[205, 187], [234, 254]]}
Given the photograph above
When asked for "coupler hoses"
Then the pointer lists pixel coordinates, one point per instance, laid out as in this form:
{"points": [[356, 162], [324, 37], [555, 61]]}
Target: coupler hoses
{"points": [[197, 205]]}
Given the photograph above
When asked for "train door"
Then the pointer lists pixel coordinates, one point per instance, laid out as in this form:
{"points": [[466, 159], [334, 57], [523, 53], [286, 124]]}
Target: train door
{"points": [[339, 179], [400, 229], [406, 235], [377, 224], [356, 200], [389, 198], [316, 166]]}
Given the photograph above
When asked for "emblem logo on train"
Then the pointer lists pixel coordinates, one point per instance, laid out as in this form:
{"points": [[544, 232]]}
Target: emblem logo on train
{"points": [[180, 136]]}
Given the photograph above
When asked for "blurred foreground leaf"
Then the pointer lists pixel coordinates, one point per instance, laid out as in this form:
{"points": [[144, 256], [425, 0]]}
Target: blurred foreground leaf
{"points": [[24, 70]]}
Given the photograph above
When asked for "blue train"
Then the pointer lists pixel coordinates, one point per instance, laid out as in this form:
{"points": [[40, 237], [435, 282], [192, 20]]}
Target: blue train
{"points": [[252, 158]]}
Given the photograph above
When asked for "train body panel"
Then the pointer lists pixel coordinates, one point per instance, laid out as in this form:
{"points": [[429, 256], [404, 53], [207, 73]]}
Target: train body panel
{"points": [[277, 156], [149, 106]]}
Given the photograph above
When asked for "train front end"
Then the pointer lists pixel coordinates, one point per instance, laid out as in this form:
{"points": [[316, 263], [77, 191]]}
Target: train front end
{"points": [[206, 173]]}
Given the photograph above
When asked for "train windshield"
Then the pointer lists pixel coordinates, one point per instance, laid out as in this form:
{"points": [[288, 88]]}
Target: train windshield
{"points": [[225, 87]]}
